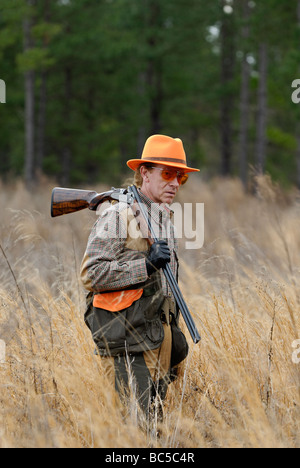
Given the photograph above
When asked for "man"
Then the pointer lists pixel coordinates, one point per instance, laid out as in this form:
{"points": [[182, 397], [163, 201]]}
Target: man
{"points": [[133, 308]]}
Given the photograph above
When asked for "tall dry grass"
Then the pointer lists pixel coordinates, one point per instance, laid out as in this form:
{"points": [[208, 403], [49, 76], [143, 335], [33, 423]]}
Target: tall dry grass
{"points": [[238, 388]]}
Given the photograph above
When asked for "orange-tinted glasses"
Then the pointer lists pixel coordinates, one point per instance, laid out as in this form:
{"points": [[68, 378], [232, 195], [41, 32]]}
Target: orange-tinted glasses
{"points": [[170, 174]]}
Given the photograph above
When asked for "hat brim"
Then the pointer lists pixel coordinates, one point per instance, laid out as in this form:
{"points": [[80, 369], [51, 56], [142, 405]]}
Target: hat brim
{"points": [[135, 163]]}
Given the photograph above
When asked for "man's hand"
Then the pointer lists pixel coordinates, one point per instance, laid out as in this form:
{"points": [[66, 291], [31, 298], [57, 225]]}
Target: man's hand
{"points": [[159, 256]]}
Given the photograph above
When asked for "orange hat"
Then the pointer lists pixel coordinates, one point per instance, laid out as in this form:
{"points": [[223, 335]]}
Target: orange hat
{"points": [[161, 149]]}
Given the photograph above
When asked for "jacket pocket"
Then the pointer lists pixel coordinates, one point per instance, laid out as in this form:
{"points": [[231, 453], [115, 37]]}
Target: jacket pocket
{"points": [[108, 328], [155, 331]]}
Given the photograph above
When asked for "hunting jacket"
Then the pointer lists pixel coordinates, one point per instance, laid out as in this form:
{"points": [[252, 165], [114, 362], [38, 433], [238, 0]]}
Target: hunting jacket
{"points": [[109, 263]]}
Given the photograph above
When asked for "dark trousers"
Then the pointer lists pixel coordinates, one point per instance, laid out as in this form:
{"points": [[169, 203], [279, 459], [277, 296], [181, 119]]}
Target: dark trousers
{"points": [[132, 375]]}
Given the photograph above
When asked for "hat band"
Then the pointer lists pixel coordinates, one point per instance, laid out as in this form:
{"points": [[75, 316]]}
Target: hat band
{"points": [[175, 160]]}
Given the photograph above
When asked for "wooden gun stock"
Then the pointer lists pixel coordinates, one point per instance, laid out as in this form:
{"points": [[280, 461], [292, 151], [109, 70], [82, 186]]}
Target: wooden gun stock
{"points": [[66, 200]]}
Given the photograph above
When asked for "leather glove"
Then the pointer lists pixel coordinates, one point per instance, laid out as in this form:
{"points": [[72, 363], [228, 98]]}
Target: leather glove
{"points": [[159, 256]]}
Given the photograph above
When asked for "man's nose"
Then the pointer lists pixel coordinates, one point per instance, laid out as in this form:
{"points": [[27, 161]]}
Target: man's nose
{"points": [[175, 182]]}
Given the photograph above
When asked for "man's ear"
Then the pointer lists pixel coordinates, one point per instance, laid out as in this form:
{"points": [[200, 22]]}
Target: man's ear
{"points": [[144, 173]]}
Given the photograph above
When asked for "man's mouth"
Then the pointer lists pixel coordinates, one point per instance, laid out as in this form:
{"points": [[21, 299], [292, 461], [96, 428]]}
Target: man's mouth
{"points": [[172, 194]]}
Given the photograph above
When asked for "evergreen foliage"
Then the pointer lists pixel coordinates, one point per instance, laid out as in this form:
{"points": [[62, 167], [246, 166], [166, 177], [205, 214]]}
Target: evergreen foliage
{"points": [[89, 80]]}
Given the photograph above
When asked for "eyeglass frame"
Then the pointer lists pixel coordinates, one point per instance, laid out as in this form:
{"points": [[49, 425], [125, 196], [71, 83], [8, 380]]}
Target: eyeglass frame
{"points": [[178, 173]]}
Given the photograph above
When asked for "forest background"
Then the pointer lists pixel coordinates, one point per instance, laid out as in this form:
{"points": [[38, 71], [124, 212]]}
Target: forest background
{"points": [[87, 81]]}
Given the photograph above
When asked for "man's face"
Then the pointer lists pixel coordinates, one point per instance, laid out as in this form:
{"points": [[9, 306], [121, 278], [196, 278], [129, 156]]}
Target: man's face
{"points": [[156, 187]]}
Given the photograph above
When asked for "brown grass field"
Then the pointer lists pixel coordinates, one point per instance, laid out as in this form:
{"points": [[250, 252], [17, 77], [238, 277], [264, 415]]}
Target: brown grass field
{"points": [[238, 388]]}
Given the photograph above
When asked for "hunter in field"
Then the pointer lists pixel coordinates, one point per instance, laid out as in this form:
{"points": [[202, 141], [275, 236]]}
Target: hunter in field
{"points": [[134, 311]]}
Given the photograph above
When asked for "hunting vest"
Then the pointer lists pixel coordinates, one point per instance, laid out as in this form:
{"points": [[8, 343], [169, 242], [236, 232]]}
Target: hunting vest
{"points": [[128, 320]]}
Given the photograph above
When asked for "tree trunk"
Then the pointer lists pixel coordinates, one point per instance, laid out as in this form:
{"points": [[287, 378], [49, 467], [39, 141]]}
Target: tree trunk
{"points": [[261, 140], [29, 104], [154, 71], [298, 154], [244, 100], [41, 119], [66, 152], [156, 97], [298, 121], [227, 101], [142, 132], [41, 124]]}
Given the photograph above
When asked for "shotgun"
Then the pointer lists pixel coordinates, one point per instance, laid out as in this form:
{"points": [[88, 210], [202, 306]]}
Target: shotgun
{"points": [[65, 201]]}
